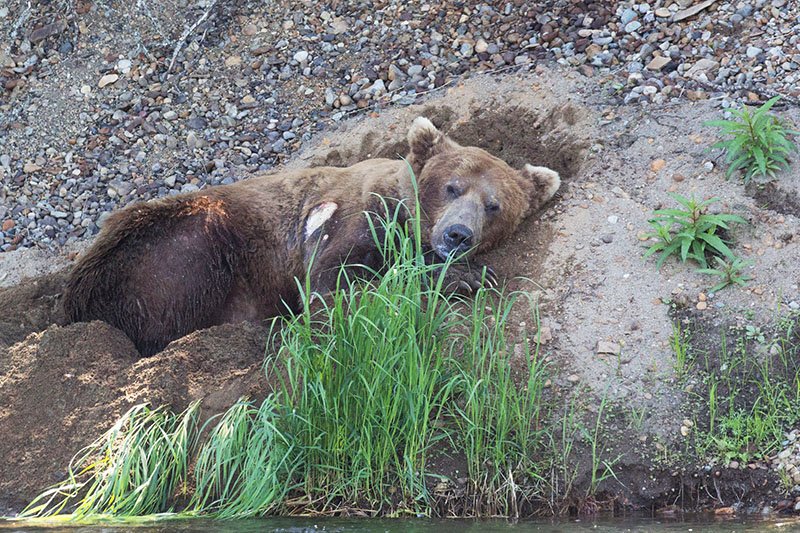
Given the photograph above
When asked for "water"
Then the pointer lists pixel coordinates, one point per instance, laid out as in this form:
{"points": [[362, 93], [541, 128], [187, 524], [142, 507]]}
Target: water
{"points": [[336, 525]]}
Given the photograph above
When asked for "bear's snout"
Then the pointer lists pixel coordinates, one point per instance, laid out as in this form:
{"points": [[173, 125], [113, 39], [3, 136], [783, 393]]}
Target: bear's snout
{"points": [[458, 238]]}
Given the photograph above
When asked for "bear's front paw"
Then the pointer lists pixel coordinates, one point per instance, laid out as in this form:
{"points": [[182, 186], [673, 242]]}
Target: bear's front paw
{"points": [[466, 279]]}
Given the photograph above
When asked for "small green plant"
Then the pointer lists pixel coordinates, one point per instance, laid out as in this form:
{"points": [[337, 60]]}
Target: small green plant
{"points": [[758, 141], [754, 333], [680, 347], [729, 272], [602, 469], [690, 232]]}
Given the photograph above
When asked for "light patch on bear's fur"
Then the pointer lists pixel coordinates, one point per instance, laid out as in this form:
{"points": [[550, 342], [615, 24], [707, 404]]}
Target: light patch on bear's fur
{"points": [[548, 175], [318, 216], [420, 125]]}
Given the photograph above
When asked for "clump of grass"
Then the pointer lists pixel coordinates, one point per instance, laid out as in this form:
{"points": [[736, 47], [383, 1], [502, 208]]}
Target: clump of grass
{"points": [[690, 232], [680, 342], [365, 378], [757, 143], [498, 424], [135, 468], [246, 466]]}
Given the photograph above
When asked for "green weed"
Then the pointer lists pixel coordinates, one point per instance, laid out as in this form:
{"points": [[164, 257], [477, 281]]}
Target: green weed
{"points": [[690, 232], [757, 141], [729, 272]]}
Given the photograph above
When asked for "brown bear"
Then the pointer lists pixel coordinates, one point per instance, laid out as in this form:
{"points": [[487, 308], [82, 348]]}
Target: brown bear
{"points": [[162, 269]]}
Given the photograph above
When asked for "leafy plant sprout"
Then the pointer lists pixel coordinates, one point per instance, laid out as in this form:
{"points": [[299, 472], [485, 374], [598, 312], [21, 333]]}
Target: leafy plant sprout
{"points": [[729, 272], [757, 141], [690, 232]]}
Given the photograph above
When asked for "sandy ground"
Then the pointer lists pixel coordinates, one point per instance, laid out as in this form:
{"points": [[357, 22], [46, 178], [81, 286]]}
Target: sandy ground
{"points": [[605, 324]]}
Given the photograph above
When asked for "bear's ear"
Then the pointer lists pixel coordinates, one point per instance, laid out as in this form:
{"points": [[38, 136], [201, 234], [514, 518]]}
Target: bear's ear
{"points": [[425, 141], [541, 184]]}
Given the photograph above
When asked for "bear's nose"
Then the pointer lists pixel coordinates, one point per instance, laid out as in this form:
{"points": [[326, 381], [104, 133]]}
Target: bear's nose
{"points": [[458, 236]]}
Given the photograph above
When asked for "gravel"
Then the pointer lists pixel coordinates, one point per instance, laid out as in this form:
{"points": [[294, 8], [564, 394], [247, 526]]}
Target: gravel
{"points": [[92, 117]]}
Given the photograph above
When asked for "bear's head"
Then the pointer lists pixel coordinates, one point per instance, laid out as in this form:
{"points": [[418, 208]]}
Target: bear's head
{"points": [[470, 199]]}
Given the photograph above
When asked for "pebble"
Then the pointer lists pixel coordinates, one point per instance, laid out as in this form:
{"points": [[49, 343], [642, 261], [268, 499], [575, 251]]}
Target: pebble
{"points": [[124, 65], [753, 51]]}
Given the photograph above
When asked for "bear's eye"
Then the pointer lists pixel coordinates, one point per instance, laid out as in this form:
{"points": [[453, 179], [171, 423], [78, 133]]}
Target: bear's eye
{"points": [[453, 190], [492, 208]]}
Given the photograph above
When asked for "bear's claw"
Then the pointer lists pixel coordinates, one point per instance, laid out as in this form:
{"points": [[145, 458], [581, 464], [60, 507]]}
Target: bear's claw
{"points": [[467, 280]]}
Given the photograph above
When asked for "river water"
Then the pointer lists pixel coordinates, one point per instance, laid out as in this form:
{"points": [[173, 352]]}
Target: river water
{"points": [[314, 525]]}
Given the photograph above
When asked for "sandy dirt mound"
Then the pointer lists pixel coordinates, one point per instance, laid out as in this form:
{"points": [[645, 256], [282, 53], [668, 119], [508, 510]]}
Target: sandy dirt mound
{"points": [[62, 387]]}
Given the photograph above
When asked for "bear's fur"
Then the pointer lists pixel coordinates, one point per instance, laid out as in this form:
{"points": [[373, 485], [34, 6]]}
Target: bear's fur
{"points": [[161, 269]]}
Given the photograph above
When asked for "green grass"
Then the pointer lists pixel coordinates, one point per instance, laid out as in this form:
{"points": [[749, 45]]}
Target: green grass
{"points": [[371, 381], [135, 468], [752, 394]]}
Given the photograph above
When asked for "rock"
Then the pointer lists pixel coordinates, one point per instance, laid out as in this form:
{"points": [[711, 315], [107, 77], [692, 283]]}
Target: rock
{"points": [[696, 95], [663, 12], [753, 51], [703, 67], [47, 30], [233, 61], [339, 25], [29, 168], [330, 97], [250, 29], [481, 46], [301, 56], [608, 348], [657, 165], [692, 11], [170, 115], [544, 335], [8, 224], [632, 26], [124, 65], [628, 15], [657, 63], [377, 88], [702, 306], [108, 79], [191, 140]]}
